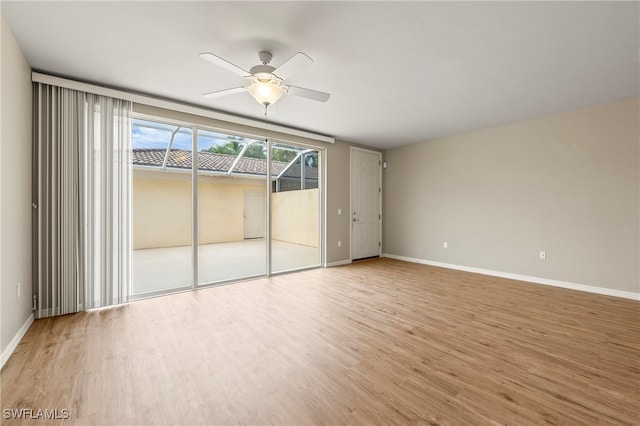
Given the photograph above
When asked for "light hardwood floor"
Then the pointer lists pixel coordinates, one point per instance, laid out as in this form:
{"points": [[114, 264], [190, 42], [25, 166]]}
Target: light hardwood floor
{"points": [[376, 342]]}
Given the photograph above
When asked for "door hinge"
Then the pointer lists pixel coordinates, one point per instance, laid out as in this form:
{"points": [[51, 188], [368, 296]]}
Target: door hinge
{"points": [[379, 244], [379, 189], [34, 306], [379, 216]]}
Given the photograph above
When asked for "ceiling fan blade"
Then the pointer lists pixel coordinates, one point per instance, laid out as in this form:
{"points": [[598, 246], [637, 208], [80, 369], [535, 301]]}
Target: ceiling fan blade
{"points": [[225, 92], [224, 64], [308, 93], [292, 65]]}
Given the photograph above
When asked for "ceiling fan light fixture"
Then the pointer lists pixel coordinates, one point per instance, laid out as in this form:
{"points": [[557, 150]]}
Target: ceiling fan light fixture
{"points": [[265, 81], [266, 93]]}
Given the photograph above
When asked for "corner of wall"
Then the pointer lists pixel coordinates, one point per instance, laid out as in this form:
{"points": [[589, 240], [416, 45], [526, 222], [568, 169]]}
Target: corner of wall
{"points": [[15, 190]]}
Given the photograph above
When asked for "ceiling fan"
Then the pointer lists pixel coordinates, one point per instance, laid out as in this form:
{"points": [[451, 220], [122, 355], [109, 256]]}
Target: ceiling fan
{"points": [[266, 81]]}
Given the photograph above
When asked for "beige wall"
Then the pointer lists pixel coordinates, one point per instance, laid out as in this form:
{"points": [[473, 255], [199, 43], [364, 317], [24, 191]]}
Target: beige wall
{"points": [[15, 187], [223, 222], [162, 209], [566, 183], [338, 192], [161, 213], [295, 216]]}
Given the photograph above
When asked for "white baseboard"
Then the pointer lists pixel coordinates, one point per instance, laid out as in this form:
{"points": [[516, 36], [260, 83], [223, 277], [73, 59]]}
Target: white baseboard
{"points": [[13, 344], [537, 280], [337, 263]]}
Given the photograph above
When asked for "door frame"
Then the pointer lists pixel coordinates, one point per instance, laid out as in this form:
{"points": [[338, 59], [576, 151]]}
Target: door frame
{"points": [[351, 196]]}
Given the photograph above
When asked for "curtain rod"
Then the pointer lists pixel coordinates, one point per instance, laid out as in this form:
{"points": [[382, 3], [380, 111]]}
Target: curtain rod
{"points": [[66, 83]]}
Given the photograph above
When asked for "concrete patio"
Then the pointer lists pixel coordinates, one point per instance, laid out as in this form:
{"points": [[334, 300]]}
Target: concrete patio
{"points": [[163, 269]]}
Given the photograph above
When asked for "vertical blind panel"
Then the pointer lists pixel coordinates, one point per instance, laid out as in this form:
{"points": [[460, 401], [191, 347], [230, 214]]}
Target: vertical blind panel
{"points": [[82, 174]]}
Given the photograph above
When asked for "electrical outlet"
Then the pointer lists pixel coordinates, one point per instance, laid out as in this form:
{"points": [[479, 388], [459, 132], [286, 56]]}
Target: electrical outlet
{"points": [[339, 243], [445, 245], [18, 288], [543, 255], [339, 212]]}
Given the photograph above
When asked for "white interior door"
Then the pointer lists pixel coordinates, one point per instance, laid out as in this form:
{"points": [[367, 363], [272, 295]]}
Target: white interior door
{"points": [[254, 219], [366, 195]]}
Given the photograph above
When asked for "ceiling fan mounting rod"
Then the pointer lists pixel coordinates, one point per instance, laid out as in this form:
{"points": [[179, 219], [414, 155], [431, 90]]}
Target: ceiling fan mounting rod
{"points": [[265, 57]]}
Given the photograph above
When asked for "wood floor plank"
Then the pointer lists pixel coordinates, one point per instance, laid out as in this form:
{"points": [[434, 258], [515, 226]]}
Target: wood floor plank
{"points": [[376, 342]]}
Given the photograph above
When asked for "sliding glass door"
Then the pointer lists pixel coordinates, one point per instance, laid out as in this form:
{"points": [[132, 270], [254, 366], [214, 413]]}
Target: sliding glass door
{"points": [[208, 209]]}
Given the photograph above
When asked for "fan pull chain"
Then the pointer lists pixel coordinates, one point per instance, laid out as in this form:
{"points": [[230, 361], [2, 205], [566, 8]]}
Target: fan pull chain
{"points": [[266, 124]]}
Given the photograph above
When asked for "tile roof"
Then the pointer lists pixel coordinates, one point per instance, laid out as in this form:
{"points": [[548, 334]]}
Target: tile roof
{"points": [[181, 159]]}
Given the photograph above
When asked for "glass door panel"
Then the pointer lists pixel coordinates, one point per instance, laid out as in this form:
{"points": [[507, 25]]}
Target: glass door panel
{"points": [[231, 207], [162, 213], [295, 208]]}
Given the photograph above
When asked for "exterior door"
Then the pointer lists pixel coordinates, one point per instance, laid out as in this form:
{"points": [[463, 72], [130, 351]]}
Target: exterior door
{"points": [[253, 214], [366, 195]]}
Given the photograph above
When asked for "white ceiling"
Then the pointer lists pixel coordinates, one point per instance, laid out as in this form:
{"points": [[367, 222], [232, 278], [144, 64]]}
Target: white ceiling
{"points": [[398, 72]]}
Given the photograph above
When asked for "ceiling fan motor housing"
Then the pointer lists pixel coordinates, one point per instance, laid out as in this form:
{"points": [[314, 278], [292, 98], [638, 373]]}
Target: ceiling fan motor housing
{"points": [[263, 73]]}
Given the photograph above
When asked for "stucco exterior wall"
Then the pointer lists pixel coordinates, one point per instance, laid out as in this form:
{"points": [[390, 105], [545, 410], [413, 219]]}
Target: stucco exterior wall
{"points": [[295, 216], [162, 211]]}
